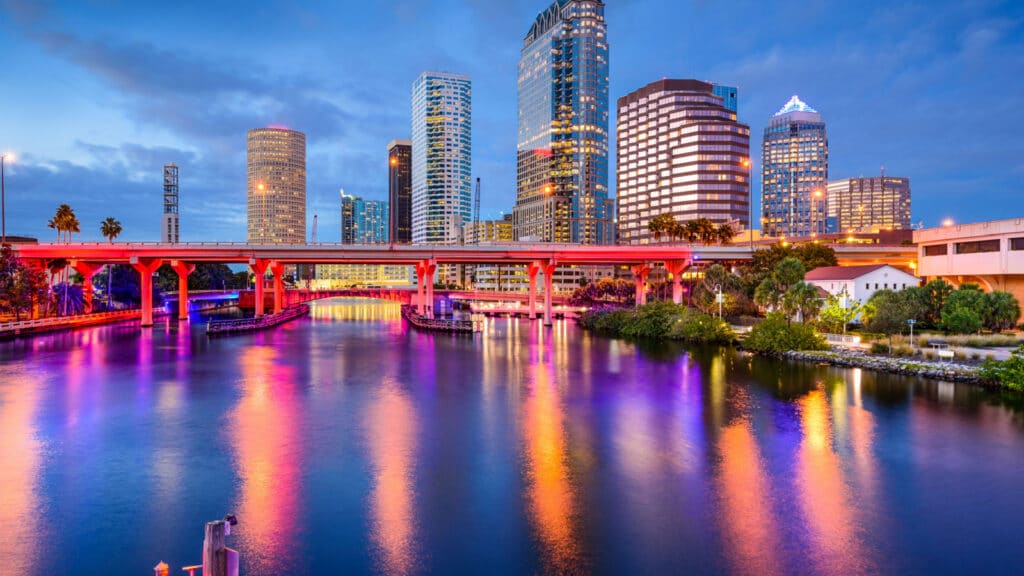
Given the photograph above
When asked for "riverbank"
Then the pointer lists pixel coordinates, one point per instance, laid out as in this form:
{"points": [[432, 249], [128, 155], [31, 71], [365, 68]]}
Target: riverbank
{"points": [[949, 371]]}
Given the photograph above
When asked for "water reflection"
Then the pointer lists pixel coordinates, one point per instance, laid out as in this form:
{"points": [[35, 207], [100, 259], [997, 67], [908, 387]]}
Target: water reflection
{"points": [[550, 491], [392, 429], [824, 495], [20, 451], [356, 310], [266, 436]]}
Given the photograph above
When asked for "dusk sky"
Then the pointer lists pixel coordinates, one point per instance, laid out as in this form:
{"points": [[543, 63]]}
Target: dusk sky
{"points": [[97, 95]]}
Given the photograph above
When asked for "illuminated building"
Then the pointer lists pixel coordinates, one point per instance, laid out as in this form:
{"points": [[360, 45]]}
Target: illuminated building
{"points": [[492, 276], [441, 157], [169, 228], [680, 152], [794, 164], [362, 222], [872, 204], [276, 186], [562, 151], [400, 191]]}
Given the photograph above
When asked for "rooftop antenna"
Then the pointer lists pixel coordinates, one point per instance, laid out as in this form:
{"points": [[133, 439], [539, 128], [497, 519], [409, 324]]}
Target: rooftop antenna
{"points": [[476, 203]]}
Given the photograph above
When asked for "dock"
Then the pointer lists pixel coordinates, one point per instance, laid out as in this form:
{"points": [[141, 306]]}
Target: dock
{"points": [[235, 326], [450, 325]]}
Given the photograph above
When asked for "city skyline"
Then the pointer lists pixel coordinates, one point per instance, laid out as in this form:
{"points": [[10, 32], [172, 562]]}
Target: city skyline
{"points": [[123, 129]]}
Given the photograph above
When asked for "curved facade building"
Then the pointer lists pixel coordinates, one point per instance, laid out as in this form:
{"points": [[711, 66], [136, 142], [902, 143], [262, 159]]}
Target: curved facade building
{"points": [[681, 151], [562, 152], [276, 186], [794, 177]]}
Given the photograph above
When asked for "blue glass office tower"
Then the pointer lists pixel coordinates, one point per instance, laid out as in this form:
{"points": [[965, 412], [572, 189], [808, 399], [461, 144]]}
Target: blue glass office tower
{"points": [[729, 96], [794, 177], [363, 221], [562, 152]]}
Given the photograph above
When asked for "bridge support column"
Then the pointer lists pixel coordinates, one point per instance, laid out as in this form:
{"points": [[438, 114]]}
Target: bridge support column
{"points": [[277, 269], [259, 268], [549, 292], [146, 267], [87, 271], [640, 272], [676, 268], [420, 297], [183, 269], [531, 270], [425, 282]]}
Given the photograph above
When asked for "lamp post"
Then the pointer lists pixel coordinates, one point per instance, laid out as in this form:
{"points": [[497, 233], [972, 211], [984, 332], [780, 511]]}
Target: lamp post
{"points": [[750, 201], [3, 198], [719, 298]]}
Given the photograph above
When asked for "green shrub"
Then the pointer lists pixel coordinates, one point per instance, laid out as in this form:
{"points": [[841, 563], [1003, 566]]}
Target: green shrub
{"points": [[960, 320], [697, 327], [879, 348], [611, 323], [776, 334], [930, 355], [1009, 373], [902, 351]]}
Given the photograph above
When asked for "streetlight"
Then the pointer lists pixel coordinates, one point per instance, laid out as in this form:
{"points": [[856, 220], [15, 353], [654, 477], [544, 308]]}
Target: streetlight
{"points": [[947, 222], [3, 197], [719, 298]]}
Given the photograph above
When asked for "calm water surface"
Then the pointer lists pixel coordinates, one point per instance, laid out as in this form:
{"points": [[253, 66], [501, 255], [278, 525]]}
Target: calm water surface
{"points": [[346, 443]]}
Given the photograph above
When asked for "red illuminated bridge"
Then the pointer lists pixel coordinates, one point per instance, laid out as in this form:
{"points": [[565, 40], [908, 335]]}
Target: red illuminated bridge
{"points": [[88, 258]]}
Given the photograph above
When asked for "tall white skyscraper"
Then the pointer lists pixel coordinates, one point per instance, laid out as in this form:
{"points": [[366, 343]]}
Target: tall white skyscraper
{"points": [[441, 157]]}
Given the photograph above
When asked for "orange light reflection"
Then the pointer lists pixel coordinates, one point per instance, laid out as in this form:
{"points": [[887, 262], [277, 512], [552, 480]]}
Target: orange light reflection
{"points": [[19, 466]]}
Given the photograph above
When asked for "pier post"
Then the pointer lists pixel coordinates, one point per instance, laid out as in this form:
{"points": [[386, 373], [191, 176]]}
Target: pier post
{"points": [[146, 267], [183, 269], [676, 268], [277, 269], [259, 268], [531, 270], [640, 272], [548, 271], [87, 271]]}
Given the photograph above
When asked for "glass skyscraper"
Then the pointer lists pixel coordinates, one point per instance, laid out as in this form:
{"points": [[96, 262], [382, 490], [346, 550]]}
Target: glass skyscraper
{"points": [[562, 152], [729, 96], [400, 191], [363, 221], [441, 157], [794, 164]]}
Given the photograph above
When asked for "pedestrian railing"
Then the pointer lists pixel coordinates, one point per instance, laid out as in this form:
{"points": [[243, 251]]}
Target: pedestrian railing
{"points": [[233, 326], [55, 322]]}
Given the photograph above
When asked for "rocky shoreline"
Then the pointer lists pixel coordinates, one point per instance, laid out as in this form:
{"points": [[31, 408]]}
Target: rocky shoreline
{"points": [[949, 371]]}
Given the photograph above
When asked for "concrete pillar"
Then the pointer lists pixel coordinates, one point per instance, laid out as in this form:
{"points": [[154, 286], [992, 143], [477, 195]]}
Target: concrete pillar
{"points": [[277, 269], [87, 271], [183, 270], [146, 267], [548, 271], [419, 299], [431, 268], [640, 272], [259, 268], [531, 270], [676, 268]]}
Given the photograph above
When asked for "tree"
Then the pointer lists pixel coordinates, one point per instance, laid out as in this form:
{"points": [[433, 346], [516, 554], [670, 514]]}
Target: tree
{"points": [[1002, 311], [834, 317], [789, 271], [110, 228], [887, 312], [935, 294], [803, 301], [814, 255], [964, 310], [725, 233], [662, 224]]}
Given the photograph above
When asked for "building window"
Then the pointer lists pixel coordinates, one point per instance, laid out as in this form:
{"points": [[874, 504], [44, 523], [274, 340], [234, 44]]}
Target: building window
{"points": [[1016, 243], [937, 250], [867, 286], [977, 247]]}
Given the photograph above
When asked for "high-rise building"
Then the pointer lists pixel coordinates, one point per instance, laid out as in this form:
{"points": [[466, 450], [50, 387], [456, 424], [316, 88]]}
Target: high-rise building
{"points": [[505, 277], [441, 157], [400, 191], [363, 221], [681, 152], [729, 96], [794, 165], [169, 223], [276, 188], [868, 205], [562, 152]]}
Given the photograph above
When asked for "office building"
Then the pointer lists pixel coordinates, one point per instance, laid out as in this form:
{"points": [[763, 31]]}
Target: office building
{"points": [[276, 186], [441, 157], [794, 165], [492, 276], [363, 221], [729, 96], [169, 228], [400, 191], [680, 152], [864, 205], [562, 151]]}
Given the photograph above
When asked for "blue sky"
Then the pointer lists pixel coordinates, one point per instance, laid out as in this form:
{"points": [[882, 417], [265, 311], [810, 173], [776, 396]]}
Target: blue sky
{"points": [[97, 95]]}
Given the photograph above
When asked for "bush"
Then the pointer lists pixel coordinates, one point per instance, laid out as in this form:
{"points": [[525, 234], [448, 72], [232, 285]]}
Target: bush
{"points": [[961, 320], [776, 334], [902, 351], [651, 321], [700, 328], [879, 348], [1009, 373], [659, 320]]}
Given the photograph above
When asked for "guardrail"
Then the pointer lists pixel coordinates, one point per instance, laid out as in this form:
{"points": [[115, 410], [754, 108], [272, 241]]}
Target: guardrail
{"points": [[234, 326], [849, 341], [476, 324]]}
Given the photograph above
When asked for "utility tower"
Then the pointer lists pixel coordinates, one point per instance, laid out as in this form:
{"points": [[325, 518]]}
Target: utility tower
{"points": [[169, 223], [476, 203]]}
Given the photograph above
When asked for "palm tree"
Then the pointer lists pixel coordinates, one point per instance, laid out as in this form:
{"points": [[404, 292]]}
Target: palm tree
{"points": [[706, 231], [110, 228], [661, 224], [689, 231], [725, 233]]}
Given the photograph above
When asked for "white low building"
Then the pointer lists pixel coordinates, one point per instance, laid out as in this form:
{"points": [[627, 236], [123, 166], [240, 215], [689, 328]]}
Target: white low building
{"points": [[860, 282]]}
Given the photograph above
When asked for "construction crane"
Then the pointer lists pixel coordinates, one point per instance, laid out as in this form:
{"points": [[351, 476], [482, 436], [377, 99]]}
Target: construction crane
{"points": [[476, 203], [314, 228]]}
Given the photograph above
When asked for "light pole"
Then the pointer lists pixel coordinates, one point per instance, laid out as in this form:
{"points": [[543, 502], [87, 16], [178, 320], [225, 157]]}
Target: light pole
{"points": [[750, 201], [719, 298], [3, 198]]}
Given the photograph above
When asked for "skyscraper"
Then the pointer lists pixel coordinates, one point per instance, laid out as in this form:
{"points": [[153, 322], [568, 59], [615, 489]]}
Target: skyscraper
{"points": [[169, 223], [363, 221], [400, 191], [681, 152], [729, 96], [867, 205], [441, 157], [276, 188], [794, 164], [562, 152]]}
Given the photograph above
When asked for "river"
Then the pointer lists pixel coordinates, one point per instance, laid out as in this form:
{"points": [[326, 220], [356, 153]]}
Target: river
{"points": [[346, 443]]}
